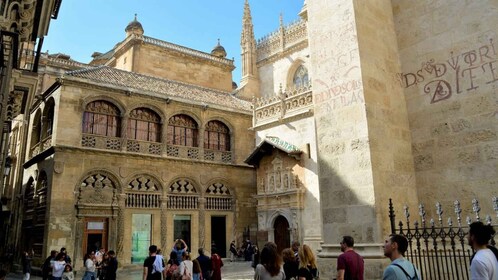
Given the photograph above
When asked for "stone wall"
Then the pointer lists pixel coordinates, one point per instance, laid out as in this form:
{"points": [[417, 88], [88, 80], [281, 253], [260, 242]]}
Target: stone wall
{"points": [[449, 73]]}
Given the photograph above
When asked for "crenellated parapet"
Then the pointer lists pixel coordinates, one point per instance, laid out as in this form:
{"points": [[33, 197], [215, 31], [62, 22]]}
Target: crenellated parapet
{"points": [[284, 38]]}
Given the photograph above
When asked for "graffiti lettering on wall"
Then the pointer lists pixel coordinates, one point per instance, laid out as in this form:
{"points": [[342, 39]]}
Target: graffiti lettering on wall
{"points": [[461, 73], [338, 95]]}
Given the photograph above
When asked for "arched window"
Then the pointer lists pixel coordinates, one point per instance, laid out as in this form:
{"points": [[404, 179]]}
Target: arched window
{"points": [[217, 136], [102, 118], [48, 118], [36, 130], [182, 130], [301, 78], [145, 125]]}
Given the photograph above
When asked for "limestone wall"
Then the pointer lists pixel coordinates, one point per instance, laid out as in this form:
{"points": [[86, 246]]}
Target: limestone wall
{"points": [[155, 61], [449, 58]]}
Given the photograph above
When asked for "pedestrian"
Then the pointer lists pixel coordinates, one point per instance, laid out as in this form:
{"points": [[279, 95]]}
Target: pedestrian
{"points": [[68, 273], [216, 264], [270, 266], [58, 266], [172, 265], [484, 264], [186, 267], [26, 264], [47, 265], [67, 259], [295, 248], [205, 263], [112, 266], [233, 251], [307, 264], [196, 270], [400, 268], [89, 263], [290, 265], [179, 247], [99, 257], [350, 265], [153, 270], [255, 257], [103, 266]]}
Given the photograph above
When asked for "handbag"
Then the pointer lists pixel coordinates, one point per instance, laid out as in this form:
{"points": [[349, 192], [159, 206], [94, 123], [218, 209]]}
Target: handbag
{"points": [[186, 275]]}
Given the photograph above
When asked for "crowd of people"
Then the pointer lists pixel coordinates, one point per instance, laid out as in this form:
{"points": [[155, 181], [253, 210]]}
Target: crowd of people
{"points": [[180, 265]]}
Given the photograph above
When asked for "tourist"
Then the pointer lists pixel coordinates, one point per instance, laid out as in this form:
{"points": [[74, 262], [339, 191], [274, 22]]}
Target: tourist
{"points": [[112, 266], [233, 251], [307, 264], [270, 266], [216, 264], [89, 262], [186, 267], [196, 270], [179, 247], [255, 257], [484, 264], [290, 265], [205, 263], [103, 267], [26, 264], [400, 268], [172, 265], [67, 259], [99, 257], [68, 273], [58, 266], [350, 265], [295, 248], [47, 265], [152, 270]]}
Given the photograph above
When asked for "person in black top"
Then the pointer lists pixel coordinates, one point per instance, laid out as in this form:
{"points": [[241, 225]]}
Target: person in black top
{"points": [[290, 264], [47, 265], [205, 263], [26, 264], [149, 266], [112, 266], [307, 263], [67, 259]]}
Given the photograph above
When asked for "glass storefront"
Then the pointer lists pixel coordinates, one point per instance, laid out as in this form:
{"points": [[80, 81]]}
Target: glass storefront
{"points": [[182, 228], [141, 231]]}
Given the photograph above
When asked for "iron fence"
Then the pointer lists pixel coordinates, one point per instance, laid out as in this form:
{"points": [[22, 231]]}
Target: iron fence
{"points": [[440, 251]]}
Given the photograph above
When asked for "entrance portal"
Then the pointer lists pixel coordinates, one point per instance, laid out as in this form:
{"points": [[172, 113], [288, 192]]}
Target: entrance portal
{"points": [[281, 233], [95, 236], [218, 235]]}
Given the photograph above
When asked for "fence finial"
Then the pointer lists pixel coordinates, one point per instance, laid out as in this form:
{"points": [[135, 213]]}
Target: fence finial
{"points": [[458, 212], [469, 220], [439, 211], [476, 209], [421, 212], [495, 205], [488, 219]]}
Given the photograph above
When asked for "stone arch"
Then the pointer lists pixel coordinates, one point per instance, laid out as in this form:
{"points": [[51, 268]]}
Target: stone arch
{"points": [[151, 107], [286, 213], [182, 185], [48, 118], [228, 125], [191, 114], [183, 194], [36, 128], [143, 191], [115, 102], [144, 182], [98, 187]]}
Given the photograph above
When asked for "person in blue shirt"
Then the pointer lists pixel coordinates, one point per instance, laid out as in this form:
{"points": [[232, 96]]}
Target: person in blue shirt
{"points": [[400, 268], [179, 249]]}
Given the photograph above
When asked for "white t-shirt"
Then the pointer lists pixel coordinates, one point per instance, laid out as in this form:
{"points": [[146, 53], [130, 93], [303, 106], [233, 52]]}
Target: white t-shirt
{"points": [[58, 268], [90, 265], [484, 266]]}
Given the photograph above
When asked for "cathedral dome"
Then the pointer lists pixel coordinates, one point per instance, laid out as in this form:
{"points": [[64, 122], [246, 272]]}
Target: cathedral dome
{"points": [[134, 27], [219, 50]]}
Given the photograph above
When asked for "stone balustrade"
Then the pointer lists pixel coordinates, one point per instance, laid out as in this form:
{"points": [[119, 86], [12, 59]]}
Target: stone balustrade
{"points": [[143, 200], [183, 202], [153, 148], [275, 108], [219, 203]]}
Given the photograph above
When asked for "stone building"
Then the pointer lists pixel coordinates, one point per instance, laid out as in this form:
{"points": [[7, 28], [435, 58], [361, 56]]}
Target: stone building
{"points": [[353, 104]]}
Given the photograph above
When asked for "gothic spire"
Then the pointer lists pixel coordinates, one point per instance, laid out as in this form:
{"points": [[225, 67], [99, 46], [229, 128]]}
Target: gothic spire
{"points": [[248, 46]]}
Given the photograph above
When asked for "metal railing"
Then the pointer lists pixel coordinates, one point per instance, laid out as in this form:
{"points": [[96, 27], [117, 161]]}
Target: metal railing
{"points": [[440, 251]]}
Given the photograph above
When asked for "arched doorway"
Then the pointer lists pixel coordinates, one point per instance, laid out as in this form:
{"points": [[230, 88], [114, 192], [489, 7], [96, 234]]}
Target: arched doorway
{"points": [[281, 233]]}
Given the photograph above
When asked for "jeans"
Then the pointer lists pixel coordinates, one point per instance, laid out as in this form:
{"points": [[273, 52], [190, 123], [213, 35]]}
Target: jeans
{"points": [[89, 275], [26, 276]]}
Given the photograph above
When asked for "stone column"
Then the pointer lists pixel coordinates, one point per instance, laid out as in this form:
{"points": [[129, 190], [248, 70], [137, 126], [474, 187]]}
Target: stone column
{"points": [[364, 145], [202, 222], [78, 241], [121, 229], [164, 223]]}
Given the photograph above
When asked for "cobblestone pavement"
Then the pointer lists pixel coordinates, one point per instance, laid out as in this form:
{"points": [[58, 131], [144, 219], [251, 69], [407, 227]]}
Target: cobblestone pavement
{"points": [[230, 271]]}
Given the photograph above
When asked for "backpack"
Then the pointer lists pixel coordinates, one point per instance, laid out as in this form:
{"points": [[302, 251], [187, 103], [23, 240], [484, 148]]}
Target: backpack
{"points": [[172, 268], [414, 277], [157, 265], [186, 274]]}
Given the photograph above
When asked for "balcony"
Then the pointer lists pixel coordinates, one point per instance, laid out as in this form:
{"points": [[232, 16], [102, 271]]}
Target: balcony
{"points": [[272, 110], [155, 148]]}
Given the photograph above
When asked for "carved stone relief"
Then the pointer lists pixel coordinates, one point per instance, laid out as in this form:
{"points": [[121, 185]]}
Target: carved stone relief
{"points": [[96, 189]]}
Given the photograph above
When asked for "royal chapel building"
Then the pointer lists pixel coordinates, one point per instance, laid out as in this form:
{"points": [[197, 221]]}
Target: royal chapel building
{"points": [[351, 105]]}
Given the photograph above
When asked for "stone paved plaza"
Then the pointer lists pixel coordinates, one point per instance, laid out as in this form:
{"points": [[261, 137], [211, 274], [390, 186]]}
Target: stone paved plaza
{"points": [[230, 271]]}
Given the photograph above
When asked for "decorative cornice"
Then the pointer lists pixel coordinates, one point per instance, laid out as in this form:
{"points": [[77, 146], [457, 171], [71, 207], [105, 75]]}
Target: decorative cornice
{"points": [[282, 54], [282, 39]]}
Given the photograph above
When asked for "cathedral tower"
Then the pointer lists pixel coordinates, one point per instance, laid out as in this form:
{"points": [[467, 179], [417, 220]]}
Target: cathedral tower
{"points": [[250, 83]]}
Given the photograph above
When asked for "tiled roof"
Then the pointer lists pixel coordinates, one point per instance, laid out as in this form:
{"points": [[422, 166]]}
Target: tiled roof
{"points": [[266, 146], [103, 75]]}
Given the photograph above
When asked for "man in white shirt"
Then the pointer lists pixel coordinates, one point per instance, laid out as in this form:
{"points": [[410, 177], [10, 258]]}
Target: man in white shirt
{"points": [[484, 265]]}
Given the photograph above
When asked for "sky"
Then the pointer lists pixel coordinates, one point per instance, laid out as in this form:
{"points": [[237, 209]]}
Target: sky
{"points": [[87, 26]]}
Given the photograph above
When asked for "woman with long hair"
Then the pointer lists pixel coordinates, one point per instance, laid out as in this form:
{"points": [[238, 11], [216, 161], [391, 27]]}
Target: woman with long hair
{"points": [[291, 266], [89, 262], [307, 264], [186, 266], [197, 272], [172, 265], [270, 267]]}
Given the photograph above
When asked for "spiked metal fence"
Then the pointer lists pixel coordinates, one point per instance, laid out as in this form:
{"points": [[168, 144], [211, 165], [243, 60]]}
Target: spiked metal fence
{"points": [[440, 251]]}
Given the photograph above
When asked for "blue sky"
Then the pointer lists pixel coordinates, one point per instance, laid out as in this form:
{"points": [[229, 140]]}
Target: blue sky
{"points": [[86, 26]]}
